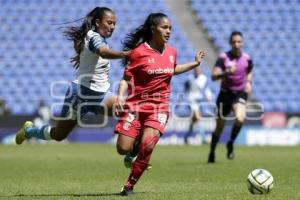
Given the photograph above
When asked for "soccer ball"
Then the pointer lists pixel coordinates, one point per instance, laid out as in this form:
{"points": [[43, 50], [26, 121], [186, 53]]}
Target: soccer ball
{"points": [[260, 181]]}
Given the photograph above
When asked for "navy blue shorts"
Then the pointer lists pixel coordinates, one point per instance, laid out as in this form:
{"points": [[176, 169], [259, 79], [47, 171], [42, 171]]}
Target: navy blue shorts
{"points": [[80, 100]]}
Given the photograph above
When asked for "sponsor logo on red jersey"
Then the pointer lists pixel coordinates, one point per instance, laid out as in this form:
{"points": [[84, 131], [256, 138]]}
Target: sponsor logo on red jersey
{"points": [[159, 70]]}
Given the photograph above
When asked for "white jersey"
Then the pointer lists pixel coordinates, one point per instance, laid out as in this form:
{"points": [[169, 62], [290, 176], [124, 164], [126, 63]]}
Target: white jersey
{"points": [[198, 89], [93, 69]]}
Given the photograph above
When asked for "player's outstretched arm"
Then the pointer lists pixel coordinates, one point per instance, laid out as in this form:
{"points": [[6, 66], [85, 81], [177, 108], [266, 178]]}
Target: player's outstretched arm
{"points": [[188, 66], [107, 53]]}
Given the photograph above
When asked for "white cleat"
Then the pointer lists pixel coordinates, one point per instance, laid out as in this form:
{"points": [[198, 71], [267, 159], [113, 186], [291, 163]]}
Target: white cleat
{"points": [[20, 137]]}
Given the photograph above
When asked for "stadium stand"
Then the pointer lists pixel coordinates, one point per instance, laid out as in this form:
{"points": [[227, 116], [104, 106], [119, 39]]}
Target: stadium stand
{"points": [[34, 54], [271, 38]]}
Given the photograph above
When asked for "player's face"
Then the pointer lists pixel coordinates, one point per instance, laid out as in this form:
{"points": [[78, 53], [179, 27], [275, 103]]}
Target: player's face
{"points": [[236, 42], [162, 31], [106, 26]]}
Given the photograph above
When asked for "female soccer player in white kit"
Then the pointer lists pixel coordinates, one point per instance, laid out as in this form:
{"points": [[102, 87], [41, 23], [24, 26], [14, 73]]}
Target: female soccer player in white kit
{"points": [[90, 88]]}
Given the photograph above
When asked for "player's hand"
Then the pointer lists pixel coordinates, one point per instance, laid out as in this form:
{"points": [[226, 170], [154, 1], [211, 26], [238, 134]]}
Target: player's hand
{"points": [[120, 105], [199, 55], [231, 70]]}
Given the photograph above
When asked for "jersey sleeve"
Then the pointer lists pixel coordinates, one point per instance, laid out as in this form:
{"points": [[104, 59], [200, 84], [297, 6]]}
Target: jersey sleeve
{"points": [[96, 41], [174, 53], [135, 62], [250, 65], [175, 59], [220, 63]]}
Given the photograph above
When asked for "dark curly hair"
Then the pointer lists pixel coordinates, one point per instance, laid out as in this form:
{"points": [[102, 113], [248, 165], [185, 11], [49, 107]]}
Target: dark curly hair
{"points": [[78, 33]]}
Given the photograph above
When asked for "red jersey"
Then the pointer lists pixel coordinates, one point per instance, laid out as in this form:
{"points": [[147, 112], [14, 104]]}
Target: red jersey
{"points": [[150, 75]]}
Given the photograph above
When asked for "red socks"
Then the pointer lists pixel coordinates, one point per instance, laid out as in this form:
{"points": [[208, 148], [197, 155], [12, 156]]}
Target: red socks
{"points": [[139, 166]]}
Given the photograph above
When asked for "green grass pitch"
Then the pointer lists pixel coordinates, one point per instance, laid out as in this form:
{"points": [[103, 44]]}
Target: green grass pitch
{"points": [[95, 171]]}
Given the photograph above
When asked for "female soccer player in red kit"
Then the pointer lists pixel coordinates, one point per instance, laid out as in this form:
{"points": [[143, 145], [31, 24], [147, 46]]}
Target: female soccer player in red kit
{"points": [[147, 78]]}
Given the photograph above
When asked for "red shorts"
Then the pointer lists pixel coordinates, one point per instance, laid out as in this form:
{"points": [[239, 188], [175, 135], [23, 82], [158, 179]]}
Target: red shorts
{"points": [[132, 123]]}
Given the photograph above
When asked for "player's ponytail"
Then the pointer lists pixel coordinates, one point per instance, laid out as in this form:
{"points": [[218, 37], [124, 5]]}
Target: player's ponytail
{"points": [[141, 34], [78, 33]]}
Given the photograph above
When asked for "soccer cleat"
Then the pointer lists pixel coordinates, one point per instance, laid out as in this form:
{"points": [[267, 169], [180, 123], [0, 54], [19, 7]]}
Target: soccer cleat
{"points": [[230, 153], [129, 160], [211, 157], [126, 191], [149, 167], [20, 137]]}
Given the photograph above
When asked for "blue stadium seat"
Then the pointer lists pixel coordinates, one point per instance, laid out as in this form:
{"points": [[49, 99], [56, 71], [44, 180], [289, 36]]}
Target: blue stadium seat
{"points": [[45, 52], [272, 38]]}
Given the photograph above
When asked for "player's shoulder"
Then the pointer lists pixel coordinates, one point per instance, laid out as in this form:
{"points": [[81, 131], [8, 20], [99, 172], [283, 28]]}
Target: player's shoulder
{"points": [[137, 52], [223, 55], [246, 55], [93, 34]]}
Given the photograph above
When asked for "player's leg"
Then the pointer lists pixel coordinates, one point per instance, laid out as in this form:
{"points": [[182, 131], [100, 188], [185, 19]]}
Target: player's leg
{"points": [[239, 110], [77, 104], [220, 123], [199, 126], [128, 130], [223, 109], [64, 126], [191, 127], [62, 130], [149, 140], [75, 108], [131, 156], [46, 132], [129, 147], [124, 144]]}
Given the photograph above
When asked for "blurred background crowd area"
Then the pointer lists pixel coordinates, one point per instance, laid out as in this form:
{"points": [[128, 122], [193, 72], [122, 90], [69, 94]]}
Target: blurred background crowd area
{"points": [[35, 68]]}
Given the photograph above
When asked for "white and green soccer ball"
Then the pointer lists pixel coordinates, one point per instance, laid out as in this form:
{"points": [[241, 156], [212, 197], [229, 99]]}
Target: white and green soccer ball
{"points": [[260, 181]]}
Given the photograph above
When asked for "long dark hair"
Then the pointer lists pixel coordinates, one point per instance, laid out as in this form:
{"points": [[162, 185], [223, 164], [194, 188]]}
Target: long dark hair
{"points": [[78, 33], [141, 34]]}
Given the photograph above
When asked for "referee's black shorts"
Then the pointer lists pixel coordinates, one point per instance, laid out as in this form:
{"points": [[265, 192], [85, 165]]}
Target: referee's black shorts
{"points": [[227, 98]]}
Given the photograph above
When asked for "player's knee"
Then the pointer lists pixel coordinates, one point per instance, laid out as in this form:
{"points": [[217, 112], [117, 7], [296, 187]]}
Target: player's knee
{"points": [[196, 119], [57, 137], [240, 120], [218, 132], [123, 149]]}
